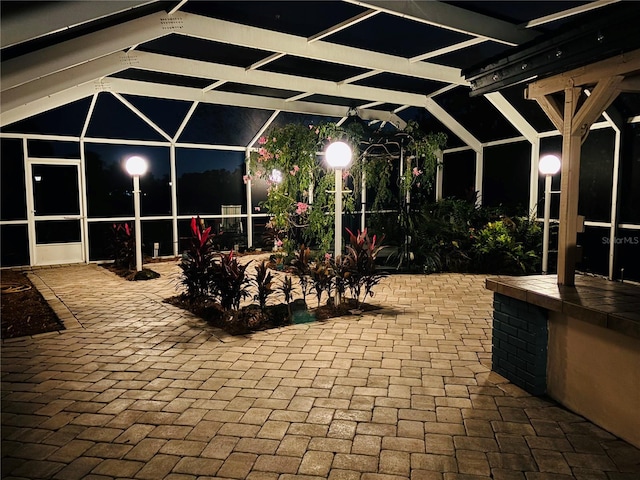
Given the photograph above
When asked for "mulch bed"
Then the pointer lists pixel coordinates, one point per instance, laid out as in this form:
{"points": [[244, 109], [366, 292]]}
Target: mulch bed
{"points": [[131, 275], [23, 310], [250, 318]]}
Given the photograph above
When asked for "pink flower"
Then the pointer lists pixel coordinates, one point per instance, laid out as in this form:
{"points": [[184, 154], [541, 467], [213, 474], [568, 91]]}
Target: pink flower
{"points": [[345, 174], [302, 208], [327, 256], [279, 243], [262, 140], [416, 172], [257, 209], [310, 127], [246, 178], [262, 152], [317, 131], [296, 168]]}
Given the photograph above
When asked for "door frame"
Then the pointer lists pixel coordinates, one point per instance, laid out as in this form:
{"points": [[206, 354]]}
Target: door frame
{"points": [[31, 216]]}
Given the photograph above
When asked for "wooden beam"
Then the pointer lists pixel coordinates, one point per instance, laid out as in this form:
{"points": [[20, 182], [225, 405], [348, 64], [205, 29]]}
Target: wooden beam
{"points": [[623, 64], [552, 109], [604, 93], [631, 84], [569, 188], [626, 63]]}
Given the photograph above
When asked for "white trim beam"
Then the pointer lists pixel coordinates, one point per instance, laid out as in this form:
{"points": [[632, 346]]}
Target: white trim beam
{"points": [[445, 50], [63, 80], [146, 119], [47, 103], [258, 38], [195, 68], [567, 13], [341, 26], [46, 18], [174, 92], [452, 124], [56, 58], [453, 18], [513, 116]]}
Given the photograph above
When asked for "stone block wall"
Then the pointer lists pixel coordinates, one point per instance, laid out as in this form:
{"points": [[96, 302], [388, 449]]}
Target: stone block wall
{"points": [[520, 338]]}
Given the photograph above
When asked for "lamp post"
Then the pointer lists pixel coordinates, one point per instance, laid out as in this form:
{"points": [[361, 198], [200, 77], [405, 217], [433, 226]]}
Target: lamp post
{"points": [[549, 165], [338, 156], [137, 166]]}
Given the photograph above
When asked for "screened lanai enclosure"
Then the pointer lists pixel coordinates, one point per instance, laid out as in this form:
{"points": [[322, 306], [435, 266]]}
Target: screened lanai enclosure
{"points": [[193, 85]]}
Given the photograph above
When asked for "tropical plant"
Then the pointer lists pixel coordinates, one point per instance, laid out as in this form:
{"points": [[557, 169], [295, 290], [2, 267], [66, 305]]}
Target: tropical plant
{"points": [[263, 282], [123, 244], [322, 278], [287, 291], [497, 249], [229, 282], [363, 252], [342, 268], [198, 260], [302, 269]]}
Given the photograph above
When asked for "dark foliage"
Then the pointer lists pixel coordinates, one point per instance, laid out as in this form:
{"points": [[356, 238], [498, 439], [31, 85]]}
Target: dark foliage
{"points": [[264, 283], [229, 282], [198, 260], [123, 246], [361, 264]]}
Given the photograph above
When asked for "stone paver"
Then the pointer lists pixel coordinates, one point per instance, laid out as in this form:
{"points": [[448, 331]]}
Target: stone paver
{"points": [[136, 388]]}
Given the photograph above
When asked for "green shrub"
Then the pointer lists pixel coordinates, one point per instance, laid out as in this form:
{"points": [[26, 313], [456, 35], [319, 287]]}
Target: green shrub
{"points": [[499, 247]]}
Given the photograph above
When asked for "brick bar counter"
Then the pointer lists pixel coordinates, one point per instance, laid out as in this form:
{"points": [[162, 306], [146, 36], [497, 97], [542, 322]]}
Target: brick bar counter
{"points": [[579, 345]]}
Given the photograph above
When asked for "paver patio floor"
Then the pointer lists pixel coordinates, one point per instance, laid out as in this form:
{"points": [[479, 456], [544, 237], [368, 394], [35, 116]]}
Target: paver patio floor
{"points": [[137, 388]]}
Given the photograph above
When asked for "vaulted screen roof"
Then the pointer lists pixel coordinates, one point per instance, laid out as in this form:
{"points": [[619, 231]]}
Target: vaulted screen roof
{"points": [[330, 58]]}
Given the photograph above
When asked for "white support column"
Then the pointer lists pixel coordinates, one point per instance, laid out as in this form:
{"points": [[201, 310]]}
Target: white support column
{"points": [[31, 224], [174, 200], [545, 230], [439, 174], [614, 198], [337, 250], [84, 199], [84, 231], [533, 178], [249, 199], [479, 175], [363, 201]]}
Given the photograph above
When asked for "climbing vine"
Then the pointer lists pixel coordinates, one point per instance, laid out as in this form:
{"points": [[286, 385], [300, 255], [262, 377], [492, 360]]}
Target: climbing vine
{"points": [[300, 196]]}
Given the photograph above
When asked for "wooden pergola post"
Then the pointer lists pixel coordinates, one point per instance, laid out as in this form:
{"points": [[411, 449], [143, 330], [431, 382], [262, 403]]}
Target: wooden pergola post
{"points": [[605, 79]]}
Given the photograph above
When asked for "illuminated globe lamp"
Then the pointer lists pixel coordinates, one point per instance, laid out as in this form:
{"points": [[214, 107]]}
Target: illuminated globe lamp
{"points": [[548, 166], [137, 166], [338, 156]]}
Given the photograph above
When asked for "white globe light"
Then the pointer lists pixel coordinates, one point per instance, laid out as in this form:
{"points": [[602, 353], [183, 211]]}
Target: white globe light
{"points": [[276, 176], [136, 165], [549, 165], [338, 155]]}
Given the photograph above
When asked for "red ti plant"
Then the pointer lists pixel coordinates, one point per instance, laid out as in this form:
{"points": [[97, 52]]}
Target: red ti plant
{"points": [[198, 260], [362, 253], [123, 246], [229, 281]]}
